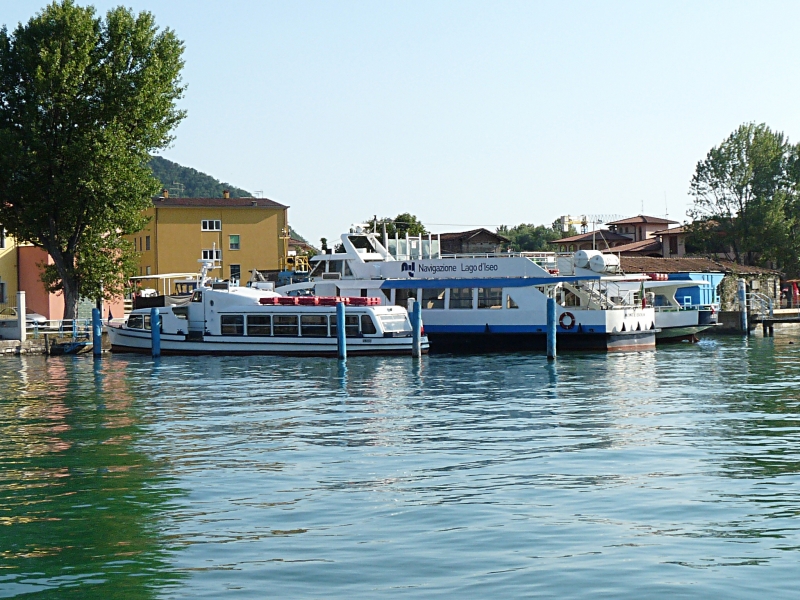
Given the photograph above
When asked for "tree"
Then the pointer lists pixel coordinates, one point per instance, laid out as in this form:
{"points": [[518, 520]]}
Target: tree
{"points": [[528, 237], [401, 224], [83, 103], [744, 192]]}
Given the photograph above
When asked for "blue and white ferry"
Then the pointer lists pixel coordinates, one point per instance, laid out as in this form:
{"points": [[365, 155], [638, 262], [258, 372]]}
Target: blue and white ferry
{"points": [[482, 302]]}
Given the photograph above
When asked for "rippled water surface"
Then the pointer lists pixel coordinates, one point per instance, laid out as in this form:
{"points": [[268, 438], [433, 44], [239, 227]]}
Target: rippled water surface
{"points": [[664, 474]]}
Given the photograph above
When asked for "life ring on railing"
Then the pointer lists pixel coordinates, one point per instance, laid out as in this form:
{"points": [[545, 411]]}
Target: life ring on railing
{"points": [[566, 320]]}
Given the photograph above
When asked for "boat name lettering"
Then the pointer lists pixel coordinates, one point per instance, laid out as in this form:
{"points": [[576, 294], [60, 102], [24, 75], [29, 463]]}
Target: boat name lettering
{"points": [[437, 268], [478, 268]]}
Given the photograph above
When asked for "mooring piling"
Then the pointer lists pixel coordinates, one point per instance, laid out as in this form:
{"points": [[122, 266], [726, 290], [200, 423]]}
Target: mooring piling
{"points": [[742, 294], [155, 331], [341, 338], [551, 328], [97, 333], [416, 329]]}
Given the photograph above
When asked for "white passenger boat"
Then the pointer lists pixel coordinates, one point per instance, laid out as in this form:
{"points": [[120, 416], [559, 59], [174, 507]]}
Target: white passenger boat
{"points": [[224, 318], [483, 302], [675, 320]]}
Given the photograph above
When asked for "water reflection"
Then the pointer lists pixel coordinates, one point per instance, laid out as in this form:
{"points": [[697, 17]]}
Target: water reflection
{"points": [[637, 474], [81, 506]]}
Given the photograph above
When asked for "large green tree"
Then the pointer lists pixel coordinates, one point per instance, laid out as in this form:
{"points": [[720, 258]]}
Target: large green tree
{"points": [[745, 194], [84, 100], [401, 224], [528, 237]]}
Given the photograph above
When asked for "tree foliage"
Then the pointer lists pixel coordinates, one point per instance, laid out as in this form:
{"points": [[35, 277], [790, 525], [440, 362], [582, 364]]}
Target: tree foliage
{"points": [[401, 224], [745, 199], [84, 101], [528, 237]]}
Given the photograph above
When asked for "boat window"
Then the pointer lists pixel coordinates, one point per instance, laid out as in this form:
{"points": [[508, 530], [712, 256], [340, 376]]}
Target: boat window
{"points": [[350, 325], [318, 269], [401, 296], [135, 322], [347, 271], [388, 294], [258, 325], [661, 300], [146, 321], [335, 266], [510, 302], [433, 298], [395, 323], [490, 297], [314, 325], [182, 312], [197, 296], [285, 325], [460, 298], [231, 324], [367, 325]]}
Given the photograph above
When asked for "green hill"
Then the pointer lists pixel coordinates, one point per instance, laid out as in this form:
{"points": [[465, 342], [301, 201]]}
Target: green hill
{"points": [[185, 182]]}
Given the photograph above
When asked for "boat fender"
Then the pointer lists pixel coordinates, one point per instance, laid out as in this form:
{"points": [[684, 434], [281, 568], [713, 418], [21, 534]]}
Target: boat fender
{"points": [[566, 320]]}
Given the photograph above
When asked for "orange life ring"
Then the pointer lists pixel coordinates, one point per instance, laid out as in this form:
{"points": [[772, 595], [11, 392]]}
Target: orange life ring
{"points": [[564, 317]]}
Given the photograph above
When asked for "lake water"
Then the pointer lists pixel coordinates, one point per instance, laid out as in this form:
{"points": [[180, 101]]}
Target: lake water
{"points": [[671, 473]]}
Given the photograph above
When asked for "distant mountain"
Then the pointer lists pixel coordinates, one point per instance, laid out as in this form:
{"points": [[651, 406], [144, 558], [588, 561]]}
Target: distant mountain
{"points": [[186, 182]]}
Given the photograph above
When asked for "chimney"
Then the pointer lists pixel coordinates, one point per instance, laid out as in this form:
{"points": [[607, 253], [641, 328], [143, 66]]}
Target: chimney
{"points": [[165, 193], [254, 202], [226, 194]]}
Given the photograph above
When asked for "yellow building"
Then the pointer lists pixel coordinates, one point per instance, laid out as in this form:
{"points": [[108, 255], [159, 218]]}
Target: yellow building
{"points": [[242, 234], [8, 269]]}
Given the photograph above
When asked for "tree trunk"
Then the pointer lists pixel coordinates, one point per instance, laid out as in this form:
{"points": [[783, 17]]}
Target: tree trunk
{"points": [[71, 299]]}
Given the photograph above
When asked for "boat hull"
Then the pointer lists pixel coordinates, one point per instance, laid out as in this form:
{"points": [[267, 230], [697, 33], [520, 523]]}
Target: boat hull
{"points": [[123, 340], [632, 341]]}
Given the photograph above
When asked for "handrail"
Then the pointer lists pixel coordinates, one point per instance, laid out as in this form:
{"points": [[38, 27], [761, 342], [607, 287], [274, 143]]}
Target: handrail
{"points": [[760, 304]]}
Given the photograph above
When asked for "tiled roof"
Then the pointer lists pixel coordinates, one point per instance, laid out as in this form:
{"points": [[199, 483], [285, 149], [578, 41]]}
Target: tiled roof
{"points": [[598, 235], [647, 264], [217, 202], [642, 247], [673, 231], [463, 235], [642, 219]]}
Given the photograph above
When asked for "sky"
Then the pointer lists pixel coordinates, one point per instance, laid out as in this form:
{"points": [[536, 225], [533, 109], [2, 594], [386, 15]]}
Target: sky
{"points": [[470, 114]]}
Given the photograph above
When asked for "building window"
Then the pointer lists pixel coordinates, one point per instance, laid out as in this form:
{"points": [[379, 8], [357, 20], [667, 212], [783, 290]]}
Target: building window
{"points": [[212, 254], [147, 242], [673, 244], [147, 271], [2, 237], [236, 272], [233, 242], [211, 225], [2, 292]]}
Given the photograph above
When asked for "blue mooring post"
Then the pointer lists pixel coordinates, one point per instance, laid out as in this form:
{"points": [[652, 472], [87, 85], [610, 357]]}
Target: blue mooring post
{"points": [[155, 331], [341, 339], [97, 333], [742, 292], [551, 328], [416, 330]]}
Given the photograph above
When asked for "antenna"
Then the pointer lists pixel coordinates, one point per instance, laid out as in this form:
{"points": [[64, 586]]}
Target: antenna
{"points": [[666, 208], [641, 213], [259, 193]]}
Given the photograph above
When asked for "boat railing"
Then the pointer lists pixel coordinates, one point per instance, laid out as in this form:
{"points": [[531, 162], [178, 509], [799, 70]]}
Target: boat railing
{"points": [[540, 258]]}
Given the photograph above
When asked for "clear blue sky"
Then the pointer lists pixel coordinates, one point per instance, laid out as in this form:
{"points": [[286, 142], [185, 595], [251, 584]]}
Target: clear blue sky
{"points": [[471, 113]]}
